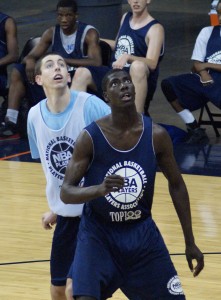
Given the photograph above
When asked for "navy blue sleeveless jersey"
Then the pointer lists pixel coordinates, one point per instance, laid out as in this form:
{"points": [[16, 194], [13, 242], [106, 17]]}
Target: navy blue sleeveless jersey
{"points": [[58, 47], [138, 167], [3, 41], [132, 41]]}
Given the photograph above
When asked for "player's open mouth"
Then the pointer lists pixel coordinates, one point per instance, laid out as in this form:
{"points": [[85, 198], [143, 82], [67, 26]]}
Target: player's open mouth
{"points": [[58, 77], [126, 97]]}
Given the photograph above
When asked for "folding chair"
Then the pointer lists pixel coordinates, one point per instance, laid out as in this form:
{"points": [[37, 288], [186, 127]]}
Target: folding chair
{"points": [[211, 122], [29, 45], [106, 53]]}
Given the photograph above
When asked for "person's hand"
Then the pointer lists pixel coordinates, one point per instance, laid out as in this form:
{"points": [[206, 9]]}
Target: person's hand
{"points": [[120, 62], [48, 220], [111, 184], [205, 78], [193, 252]]}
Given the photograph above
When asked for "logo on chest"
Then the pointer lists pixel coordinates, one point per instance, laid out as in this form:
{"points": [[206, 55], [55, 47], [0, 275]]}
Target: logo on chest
{"points": [[58, 153], [135, 181]]}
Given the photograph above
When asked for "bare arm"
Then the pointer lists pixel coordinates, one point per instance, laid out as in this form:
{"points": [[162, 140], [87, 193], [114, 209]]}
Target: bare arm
{"points": [[12, 43], [71, 192], [93, 51], [205, 66], [179, 194], [202, 68]]}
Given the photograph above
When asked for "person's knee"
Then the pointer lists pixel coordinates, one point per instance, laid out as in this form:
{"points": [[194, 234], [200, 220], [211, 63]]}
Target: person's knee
{"points": [[16, 77], [139, 70], [168, 90], [58, 292], [82, 75]]}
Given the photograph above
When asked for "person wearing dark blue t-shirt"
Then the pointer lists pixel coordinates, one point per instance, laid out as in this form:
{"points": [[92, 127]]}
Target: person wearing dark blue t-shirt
{"points": [[119, 244]]}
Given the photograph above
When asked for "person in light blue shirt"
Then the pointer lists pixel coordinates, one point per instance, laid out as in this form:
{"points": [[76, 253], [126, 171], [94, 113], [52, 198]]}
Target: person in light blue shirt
{"points": [[53, 127]]}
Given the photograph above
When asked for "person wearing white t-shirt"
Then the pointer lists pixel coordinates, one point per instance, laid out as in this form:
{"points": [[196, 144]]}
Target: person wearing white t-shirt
{"points": [[189, 92], [53, 126]]}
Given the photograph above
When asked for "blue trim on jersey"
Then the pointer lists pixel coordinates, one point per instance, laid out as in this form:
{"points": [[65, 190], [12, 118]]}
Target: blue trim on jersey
{"points": [[94, 109]]}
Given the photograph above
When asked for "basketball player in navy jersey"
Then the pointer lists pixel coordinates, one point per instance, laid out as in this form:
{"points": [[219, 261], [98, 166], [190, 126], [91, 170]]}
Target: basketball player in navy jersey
{"points": [[77, 42], [190, 92], [138, 47], [119, 245], [53, 126]]}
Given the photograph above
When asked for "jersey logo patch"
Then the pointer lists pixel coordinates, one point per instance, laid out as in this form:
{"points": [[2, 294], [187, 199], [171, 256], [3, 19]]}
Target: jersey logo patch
{"points": [[215, 58], [174, 286], [58, 153], [125, 44], [135, 181]]}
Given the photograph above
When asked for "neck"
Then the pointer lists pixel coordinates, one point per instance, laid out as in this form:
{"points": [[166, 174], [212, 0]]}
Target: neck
{"points": [[125, 119], [58, 101], [140, 19]]}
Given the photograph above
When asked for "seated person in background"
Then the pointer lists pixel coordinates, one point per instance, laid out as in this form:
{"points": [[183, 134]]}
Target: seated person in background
{"points": [[137, 48], [76, 42], [189, 92], [8, 47]]}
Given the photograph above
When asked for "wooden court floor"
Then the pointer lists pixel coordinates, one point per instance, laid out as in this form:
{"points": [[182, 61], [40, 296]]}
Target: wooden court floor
{"points": [[25, 246]]}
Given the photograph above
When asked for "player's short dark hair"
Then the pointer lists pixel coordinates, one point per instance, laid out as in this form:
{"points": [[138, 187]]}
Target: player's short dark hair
{"points": [[68, 3], [106, 77]]}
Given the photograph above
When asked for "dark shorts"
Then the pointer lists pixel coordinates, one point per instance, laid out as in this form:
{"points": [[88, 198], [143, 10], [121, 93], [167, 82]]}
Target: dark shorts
{"points": [[98, 74], [3, 83], [63, 248], [132, 257], [34, 92], [191, 93]]}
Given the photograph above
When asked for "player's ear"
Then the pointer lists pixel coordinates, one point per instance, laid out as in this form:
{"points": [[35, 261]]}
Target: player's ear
{"points": [[106, 97], [38, 79]]}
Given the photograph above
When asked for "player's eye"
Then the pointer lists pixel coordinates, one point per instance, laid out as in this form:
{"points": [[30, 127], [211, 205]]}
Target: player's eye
{"points": [[62, 65], [49, 65]]}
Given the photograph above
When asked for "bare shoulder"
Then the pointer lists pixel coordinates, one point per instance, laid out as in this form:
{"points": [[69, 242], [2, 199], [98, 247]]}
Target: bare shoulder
{"points": [[92, 30], [83, 145], [10, 24], [156, 29], [49, 32], [158, 130]]}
